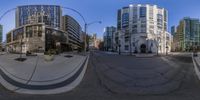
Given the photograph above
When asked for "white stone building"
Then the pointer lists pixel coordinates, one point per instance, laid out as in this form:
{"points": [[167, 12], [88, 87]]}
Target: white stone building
{"points": [[142, 28]]}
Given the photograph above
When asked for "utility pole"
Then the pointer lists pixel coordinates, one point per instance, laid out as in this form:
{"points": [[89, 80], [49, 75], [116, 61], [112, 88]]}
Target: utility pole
{"points": [[85, 46], [130, 43], [21, 46]]}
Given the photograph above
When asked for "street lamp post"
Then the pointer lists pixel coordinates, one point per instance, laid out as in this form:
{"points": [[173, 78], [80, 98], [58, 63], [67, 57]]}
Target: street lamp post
{"points": [[195, 50], [21, 38], [167, 48], [119, 49], [130, 43], [1, 17]]}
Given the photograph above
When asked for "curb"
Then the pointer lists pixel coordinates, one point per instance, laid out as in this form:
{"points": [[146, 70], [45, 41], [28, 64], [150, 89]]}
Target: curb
{"points": [[196, 67]]}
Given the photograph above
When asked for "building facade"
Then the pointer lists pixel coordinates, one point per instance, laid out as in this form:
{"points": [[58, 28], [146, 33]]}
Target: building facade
{"points": [[40, 28], [36, 38], [32, 14], [108, 38], [142, 28], [97, 43], [72, 27], [92, 40], [187, 35]]}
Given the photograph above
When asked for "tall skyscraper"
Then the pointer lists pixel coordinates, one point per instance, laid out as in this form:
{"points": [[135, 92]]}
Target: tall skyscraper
{"points": [[142, 28], [109, 38]]}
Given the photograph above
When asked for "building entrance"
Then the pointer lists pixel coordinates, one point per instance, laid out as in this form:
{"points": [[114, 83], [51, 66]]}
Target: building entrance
{"points": [[143, 48]]}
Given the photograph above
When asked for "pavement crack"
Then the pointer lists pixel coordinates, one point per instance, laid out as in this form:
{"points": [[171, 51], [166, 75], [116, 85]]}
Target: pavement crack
{"points": [[100, 81], [34, 70]]}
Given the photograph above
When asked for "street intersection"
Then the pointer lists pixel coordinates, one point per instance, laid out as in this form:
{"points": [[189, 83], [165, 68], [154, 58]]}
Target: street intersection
{"points": [[122, 77]]}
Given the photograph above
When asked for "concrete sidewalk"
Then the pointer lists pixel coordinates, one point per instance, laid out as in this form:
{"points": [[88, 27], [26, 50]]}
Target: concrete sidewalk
{"points": [[36, 76]]}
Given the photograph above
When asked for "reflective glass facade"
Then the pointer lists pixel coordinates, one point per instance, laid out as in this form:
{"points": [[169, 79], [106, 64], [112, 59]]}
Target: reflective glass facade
{"points": [[18, 34], [143, 11], [109, 37], [31, 14], [187, 34], [55, 39], [125, 20]]}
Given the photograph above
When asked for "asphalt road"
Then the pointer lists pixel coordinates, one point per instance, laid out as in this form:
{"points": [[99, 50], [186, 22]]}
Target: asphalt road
{"points": [[117, 77]]}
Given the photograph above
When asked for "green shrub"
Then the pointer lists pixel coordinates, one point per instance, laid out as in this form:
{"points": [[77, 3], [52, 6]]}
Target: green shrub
{"points": [[50, 52]]}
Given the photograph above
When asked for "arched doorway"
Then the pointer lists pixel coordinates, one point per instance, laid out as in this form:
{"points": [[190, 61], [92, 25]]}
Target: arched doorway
{"points": [[143, 48]]}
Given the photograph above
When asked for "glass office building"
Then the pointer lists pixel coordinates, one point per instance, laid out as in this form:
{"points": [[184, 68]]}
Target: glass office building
{"points": [[32, 14], [188, 34], [109, 38]]}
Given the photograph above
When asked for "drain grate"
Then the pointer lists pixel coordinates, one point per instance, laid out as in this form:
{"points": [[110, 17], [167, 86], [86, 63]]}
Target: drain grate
{"points": [[20, 59], [68, 56]]}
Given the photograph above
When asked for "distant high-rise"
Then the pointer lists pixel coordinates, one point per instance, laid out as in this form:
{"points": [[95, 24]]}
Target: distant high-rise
{"points": [[109, 38], [173, 30], [1, 33], [188, 34]]}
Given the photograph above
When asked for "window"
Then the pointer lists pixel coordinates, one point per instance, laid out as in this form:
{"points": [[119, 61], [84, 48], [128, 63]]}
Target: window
{"points": [[159, 19], [134, 26], [143, 25], [18, 34], [142, 12], [39, 31], [165, 15], [126, 39], [151, 13], [126, 47], [151, 27], [143, 30], [125, 20], [29, 31], [8, 36], [134, 31]]}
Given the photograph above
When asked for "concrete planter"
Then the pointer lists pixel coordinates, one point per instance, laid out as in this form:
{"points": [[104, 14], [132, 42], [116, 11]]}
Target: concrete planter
{"points": [[48, 57]]}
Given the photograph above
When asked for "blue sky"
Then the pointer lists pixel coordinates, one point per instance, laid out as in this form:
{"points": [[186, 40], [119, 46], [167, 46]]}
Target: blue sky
{"points": [[103, 10]]}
